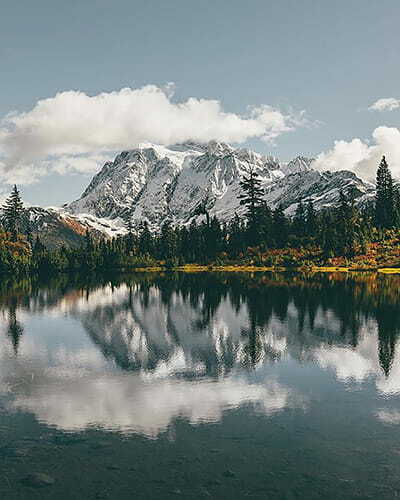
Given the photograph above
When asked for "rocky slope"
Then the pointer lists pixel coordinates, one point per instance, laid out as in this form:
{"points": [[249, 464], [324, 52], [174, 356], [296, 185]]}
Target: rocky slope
{"points": [[154, 183], [56, 229]]}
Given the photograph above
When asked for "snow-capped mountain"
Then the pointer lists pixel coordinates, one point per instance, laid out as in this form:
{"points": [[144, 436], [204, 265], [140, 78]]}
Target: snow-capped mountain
{"points": [[155, 182]]}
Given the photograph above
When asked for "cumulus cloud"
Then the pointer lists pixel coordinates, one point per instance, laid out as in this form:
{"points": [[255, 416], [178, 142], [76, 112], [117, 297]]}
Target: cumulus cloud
{"points": [[363, 157], [385, 104], [68, 132]]}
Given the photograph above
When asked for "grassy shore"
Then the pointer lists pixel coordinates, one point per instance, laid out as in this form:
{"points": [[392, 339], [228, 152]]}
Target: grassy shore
{"points": [[197, 268]]}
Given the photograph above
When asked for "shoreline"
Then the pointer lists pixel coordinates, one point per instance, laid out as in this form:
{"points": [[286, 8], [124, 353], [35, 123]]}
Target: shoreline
{"points": [[193, 268]]}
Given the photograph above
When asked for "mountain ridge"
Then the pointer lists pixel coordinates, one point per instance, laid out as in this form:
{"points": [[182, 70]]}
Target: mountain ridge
{"points": [[155, 183]]}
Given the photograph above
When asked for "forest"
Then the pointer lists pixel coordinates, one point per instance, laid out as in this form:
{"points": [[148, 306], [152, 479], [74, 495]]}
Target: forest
{"points": [[365, 236]]}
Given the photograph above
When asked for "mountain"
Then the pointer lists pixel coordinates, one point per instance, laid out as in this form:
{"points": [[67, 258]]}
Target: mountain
{"points": [[154, 183]]}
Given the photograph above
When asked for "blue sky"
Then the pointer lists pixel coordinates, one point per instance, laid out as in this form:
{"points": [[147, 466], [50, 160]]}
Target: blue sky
{"points": [[329, 60]]}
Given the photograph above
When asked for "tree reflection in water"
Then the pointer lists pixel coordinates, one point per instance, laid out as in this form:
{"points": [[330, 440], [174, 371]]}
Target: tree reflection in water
{"points": [[218, 320]]}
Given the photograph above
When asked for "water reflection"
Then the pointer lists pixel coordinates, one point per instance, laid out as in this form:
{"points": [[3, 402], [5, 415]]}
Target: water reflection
{"points": [[14, 328], [137, 353]]}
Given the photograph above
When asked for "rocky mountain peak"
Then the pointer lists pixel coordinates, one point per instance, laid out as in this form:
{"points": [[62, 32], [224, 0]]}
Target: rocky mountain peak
{"points": [[153, 182]]}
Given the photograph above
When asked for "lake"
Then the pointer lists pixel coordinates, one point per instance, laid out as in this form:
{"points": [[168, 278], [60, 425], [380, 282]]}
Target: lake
{"points": [[203, 385]]}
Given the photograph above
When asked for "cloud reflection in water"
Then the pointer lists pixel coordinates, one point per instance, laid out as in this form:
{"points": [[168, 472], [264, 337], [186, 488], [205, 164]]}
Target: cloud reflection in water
{"points": [[141, 355]]}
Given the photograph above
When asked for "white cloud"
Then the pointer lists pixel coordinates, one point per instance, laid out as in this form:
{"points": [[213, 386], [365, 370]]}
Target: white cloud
{"points": [[85, 164], [68, 132], [385, 104], [389, 416], [361, 157]]}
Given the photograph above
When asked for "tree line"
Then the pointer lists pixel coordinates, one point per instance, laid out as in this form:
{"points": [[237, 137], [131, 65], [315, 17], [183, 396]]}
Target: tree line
{"points": [[343, 230]]}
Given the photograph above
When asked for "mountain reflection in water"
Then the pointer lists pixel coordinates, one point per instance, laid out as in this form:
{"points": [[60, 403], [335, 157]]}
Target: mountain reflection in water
{"points": [[135, 354]]}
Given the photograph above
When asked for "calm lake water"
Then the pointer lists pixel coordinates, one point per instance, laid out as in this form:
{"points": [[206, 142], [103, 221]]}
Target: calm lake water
{"points": [[201, 386]]}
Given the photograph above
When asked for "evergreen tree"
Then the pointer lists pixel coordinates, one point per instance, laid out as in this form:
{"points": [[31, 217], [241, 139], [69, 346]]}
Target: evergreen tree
{"points": [[311, 219], [384, 202], [38, 246], [167, 242], [280, 227], [193, 250], [346, 226], [28, 233], [88, 242], [12, 213], [213, 239], [184, 245], [235, 242], [252, 199], [264, 221], [130, 237], [300, 220], [146, 244], [328, 235]]}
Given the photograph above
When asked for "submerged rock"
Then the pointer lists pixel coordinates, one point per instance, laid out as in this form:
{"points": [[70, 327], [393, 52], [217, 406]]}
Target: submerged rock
{"points": [[229, 473], [38, 480]]}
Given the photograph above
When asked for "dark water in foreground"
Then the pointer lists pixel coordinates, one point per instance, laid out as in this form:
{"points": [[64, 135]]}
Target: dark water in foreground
{"points": [[201, 386]]}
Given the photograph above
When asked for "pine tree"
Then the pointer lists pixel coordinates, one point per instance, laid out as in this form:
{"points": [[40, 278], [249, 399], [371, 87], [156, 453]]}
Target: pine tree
{"points": [[264, 221], [38, 246], [280, 227], [213, 238], [28, 233], [130, 237], [300, 220], [311, 219], [346, 226], [88, 241], [12, 213], [193, 248], [384, 203], [146, 245], [167, 241], [235, 236], [252, 199], [328, 235]]}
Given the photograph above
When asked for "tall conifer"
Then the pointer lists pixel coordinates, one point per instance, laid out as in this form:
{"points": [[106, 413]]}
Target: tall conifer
{"points": [[384, 203], [252, 199], [12, 213]]}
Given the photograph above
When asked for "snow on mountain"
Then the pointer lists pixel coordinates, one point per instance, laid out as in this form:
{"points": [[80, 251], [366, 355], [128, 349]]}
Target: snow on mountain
{"points": [[56, 228], [154, 183]]}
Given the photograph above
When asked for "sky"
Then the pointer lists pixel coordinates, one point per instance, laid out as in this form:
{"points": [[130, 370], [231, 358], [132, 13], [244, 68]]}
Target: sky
{"points": [[84, 79]]}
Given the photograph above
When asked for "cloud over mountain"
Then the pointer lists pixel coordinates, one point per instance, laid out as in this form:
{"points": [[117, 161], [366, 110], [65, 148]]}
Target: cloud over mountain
{"points": [[67, 132], [363, 157]]}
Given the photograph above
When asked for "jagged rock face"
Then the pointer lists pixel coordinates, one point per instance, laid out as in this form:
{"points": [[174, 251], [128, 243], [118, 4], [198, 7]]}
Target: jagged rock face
{"points": [[55, 229], [154, 183]]}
